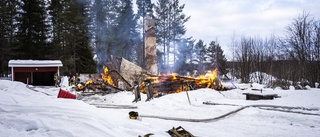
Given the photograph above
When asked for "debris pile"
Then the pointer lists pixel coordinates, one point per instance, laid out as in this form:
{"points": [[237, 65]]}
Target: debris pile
{"points": [[115, 79]]}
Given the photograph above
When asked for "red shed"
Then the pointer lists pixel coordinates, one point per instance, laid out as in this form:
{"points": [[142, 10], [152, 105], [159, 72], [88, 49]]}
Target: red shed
{"points": [[35, 72]]}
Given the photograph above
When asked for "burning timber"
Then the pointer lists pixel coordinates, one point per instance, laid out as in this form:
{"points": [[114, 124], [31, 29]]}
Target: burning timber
{"points": [[172, 83], [112, 81], [103, 84]]}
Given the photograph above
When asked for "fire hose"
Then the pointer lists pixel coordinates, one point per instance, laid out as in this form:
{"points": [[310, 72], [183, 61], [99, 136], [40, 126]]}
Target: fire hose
{"points": [[233, 112]]}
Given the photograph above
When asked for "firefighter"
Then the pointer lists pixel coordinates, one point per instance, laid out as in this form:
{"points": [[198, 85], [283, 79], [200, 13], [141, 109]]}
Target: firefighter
{"points": [[56, 80], [70, 79], [77, 79]]}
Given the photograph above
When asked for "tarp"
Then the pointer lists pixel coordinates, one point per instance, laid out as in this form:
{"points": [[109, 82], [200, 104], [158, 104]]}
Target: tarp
{"points": [[66, 94]]}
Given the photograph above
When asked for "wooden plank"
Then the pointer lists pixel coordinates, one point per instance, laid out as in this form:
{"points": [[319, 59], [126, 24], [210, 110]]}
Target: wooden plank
{"points": [[251, 96], [132, 72]]}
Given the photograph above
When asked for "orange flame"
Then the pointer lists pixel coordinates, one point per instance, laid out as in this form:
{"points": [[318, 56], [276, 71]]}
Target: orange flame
{"points": [[208, 79], [106, 77]]}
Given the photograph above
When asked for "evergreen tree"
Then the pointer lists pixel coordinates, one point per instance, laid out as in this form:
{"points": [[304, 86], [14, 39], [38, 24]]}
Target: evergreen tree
{"points": [[70, 39], [217, 57], [104, 15], [161, 13], [58, 20], [200, 55], [98, 17], [170, 21], [8, 13], [178, 28], [185, 50], [79, 53], [32, 30], [144, 7], [127, 34]]}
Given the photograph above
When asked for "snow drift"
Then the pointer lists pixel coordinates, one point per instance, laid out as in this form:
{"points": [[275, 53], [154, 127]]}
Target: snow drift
{"points": [[36, 111]]}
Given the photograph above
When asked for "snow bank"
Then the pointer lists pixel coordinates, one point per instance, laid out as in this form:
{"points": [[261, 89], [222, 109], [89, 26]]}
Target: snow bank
{"points": [[38, 112], [25, 112]]}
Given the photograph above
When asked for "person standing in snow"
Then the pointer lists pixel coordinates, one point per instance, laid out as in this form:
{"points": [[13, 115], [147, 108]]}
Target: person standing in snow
{"points": [[70, 79], [56, 80], [77, 79]]}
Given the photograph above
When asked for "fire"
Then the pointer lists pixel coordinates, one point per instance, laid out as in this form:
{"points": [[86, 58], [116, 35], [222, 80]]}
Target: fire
{"points": [[104, 83], [212, 74], [173, 83], [214, 80], [202, 80], [207, 79], [90, 81], [106, 77], [162, 83]]}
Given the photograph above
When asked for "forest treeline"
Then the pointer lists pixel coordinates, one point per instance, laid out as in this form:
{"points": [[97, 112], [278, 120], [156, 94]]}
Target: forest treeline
{"points": [[85, 34], [293, 59]]}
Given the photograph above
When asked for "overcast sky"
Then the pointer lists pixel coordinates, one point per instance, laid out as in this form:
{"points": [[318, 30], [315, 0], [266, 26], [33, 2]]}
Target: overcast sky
{"points": [[220, 19]]}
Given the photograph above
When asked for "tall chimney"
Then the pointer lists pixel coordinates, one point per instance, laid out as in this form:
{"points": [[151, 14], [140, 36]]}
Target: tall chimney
{"points": [[150, 47]]}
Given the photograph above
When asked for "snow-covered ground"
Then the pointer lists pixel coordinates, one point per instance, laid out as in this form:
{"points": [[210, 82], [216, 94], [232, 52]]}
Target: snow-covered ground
{"points": [[37, 112]]}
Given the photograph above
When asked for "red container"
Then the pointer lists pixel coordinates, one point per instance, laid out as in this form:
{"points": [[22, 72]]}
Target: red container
{"points": [[66, 94]]}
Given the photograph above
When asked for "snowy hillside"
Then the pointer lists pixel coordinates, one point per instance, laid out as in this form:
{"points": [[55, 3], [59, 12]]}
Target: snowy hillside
{"points": [[37, 112]]}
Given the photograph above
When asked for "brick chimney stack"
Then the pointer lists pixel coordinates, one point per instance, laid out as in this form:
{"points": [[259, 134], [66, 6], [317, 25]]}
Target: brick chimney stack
{"points": [[150, 47]]}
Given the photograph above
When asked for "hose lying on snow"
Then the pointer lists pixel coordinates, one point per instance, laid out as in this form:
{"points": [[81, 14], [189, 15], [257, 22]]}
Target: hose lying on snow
{"points": [[233, 112], [113, 106]]}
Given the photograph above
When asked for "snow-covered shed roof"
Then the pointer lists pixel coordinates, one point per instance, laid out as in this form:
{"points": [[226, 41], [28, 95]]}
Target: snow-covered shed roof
{"points": [[35, 63]]}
